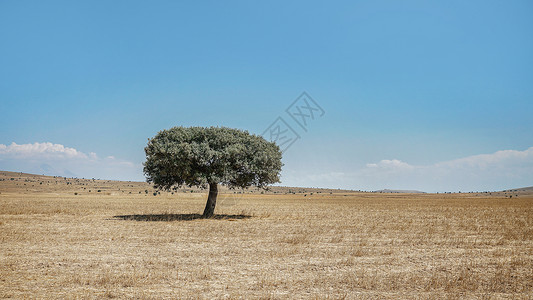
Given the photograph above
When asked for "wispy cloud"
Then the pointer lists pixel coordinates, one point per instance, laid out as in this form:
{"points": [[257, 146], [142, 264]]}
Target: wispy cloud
{"points": [[501, 161], [495, 171], [498, 160], [390, 165], [56, 159]]}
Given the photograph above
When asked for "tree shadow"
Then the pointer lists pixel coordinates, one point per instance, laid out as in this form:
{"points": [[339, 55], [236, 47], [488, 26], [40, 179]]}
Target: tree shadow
{"points": [[179, 217]]}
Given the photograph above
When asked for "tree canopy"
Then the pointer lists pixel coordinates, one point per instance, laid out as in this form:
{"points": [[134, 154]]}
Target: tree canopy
{"points": [[207, 156]]}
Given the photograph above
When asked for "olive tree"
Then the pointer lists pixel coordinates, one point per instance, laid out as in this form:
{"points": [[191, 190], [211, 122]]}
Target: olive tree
{"points": [[208, 156]]}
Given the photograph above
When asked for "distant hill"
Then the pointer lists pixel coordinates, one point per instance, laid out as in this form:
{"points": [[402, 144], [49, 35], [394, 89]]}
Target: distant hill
{"points": [[524, 189], [400, 191], [519, 191]]}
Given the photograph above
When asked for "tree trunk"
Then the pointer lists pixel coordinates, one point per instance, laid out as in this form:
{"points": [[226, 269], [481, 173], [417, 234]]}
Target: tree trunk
{"points": [[209, 210]]}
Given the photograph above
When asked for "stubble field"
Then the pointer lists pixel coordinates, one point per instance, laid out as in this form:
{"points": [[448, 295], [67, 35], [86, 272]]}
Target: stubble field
{"points": [[123, 242]]}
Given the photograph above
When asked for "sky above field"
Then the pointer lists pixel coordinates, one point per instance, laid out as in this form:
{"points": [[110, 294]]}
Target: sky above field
{"points": [[425, 95]]}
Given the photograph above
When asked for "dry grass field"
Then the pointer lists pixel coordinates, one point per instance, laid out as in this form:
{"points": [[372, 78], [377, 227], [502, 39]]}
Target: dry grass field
{"points": [[123, 242]]}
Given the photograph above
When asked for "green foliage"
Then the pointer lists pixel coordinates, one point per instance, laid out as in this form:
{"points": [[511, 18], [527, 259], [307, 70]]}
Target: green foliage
{"points": [[198, 156]]}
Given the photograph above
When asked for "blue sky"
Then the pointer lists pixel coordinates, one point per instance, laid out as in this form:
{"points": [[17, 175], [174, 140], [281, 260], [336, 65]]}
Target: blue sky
{"points": [[428, 95]]}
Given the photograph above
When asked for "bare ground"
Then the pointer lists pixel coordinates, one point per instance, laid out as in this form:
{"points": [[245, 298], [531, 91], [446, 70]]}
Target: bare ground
{"points": [[117, 244]]}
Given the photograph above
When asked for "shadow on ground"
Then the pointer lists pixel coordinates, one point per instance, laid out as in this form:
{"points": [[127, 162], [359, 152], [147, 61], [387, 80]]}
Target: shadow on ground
{"points": [[179, 217]]}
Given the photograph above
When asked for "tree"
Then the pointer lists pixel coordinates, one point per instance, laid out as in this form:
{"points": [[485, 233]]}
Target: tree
{"points": [[208, 156]]}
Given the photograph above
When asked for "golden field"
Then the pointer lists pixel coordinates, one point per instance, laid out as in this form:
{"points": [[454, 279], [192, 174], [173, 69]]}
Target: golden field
{"points": [[62, 238]]}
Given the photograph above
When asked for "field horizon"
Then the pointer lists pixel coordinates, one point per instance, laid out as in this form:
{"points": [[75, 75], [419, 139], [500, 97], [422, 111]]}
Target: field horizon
{"points": [[273, 189]]}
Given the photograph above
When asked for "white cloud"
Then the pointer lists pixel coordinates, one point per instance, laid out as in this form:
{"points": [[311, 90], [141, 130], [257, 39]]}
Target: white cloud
{"points": [[390, 165], [37, 150], [56, 159], [499, 159], [496, 171], [93, 155]]}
